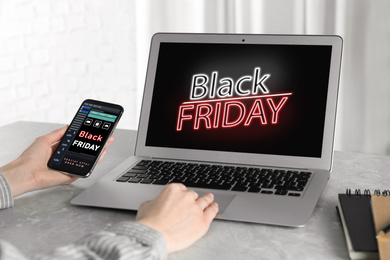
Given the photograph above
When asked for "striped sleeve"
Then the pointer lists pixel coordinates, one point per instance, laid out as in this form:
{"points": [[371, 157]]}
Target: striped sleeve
{"points": [[126, 240], [9, 252], [6, 198]]}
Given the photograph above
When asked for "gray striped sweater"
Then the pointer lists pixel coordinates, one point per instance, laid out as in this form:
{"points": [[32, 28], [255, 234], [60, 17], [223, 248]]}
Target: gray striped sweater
{"points": [[125, 240]]}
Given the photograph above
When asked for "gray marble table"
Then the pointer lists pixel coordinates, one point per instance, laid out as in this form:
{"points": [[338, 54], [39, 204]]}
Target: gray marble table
{"points": [[45, 219]]}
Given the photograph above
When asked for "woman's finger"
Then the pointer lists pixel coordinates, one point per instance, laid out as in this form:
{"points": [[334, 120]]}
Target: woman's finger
{"points": [[205, 201]]}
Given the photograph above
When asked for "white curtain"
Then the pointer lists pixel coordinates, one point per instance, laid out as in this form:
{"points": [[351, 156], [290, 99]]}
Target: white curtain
{"points": [[363, 120]]}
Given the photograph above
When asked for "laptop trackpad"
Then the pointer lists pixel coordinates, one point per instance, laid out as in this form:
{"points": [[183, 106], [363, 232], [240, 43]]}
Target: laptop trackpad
{"points": [[222, 199]]}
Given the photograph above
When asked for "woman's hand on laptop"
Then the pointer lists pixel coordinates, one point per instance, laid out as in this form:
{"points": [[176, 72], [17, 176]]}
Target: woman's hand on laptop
{"points": [[30, 172], [179, 214]]}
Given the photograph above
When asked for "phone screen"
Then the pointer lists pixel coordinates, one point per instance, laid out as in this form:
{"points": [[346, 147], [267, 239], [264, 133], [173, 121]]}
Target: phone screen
{"points": [[85, 138]]}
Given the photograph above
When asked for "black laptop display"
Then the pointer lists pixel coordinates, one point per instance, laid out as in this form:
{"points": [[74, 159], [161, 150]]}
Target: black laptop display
{"points": [[258, 98]]}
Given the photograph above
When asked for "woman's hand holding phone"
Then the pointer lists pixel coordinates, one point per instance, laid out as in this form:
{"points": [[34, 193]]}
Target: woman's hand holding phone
{"points": [[30, 172], [83, 142]]}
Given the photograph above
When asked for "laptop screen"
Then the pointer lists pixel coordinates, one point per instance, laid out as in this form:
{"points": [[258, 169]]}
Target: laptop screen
{"points": [[245, 98]]}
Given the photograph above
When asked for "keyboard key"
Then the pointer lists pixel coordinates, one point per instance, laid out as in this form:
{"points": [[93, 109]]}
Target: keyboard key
{"points": [[123, 179], [280, 192], [143, 163], [137, 167], [207, 186], [267, 186], [239, 188], [305, 174], [161, 182], [137, 171], [147, 181], [254, 190], [128, 174], [134, 180], [297, 188]]}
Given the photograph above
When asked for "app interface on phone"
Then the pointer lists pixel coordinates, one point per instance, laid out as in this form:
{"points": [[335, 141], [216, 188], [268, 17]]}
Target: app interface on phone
{"points": [[85, 138]]}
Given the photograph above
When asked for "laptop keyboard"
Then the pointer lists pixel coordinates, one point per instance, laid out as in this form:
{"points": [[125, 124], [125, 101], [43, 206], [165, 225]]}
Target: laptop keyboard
{"points": [[243, 179]]}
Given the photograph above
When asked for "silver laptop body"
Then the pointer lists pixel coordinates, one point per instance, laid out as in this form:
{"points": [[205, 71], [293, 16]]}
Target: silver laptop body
{"points": [[252, 101]]}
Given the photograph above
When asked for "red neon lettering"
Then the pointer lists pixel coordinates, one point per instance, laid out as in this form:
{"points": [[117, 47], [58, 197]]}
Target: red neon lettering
{"points": [[226, 113], [276, 109], [182, 117], [217, 114], [87, 135], [231, 112], [205, 115], [257, 110]]}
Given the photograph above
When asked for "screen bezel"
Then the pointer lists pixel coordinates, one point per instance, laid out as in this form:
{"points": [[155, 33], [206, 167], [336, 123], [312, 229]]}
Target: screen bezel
{"points": [[324, 162]]}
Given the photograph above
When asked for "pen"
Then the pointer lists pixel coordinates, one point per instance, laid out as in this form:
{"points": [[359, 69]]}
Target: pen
{"points": [[383, 231]]}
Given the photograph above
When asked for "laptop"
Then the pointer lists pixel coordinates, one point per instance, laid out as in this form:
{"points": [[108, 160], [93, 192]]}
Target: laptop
{"points": [[250, 118]]}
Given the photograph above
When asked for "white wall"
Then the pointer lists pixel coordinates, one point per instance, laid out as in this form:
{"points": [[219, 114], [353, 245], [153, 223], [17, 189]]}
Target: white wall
{"points": [[56, 53]]}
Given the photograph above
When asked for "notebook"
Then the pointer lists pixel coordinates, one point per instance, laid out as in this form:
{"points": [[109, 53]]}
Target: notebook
{"points": [[257, 104], [358, 224]]}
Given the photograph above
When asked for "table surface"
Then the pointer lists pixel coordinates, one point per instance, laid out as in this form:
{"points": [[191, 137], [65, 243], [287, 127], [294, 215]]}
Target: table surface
{"points": [[45, 219]]}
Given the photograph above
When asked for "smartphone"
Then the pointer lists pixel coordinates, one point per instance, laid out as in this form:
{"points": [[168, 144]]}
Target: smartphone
{"points": [[80, 148]]}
